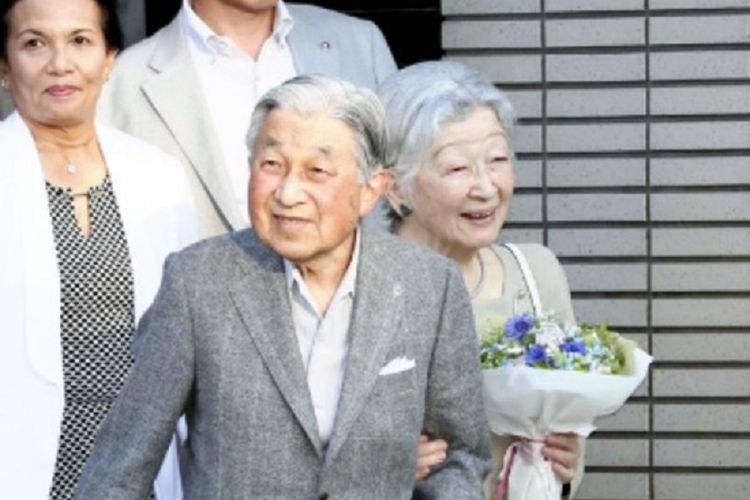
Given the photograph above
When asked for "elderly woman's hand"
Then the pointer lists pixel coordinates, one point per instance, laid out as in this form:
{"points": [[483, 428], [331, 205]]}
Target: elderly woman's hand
{"points": [[430, 452], [564, 453]]}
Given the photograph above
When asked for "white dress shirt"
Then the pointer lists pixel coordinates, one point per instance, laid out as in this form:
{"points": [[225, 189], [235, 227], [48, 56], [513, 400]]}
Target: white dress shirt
{"points": [[233, 82], [323, 340]]}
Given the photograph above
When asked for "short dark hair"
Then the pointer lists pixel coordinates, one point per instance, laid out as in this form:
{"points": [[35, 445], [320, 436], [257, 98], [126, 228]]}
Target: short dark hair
{"points": [[110, 24]]}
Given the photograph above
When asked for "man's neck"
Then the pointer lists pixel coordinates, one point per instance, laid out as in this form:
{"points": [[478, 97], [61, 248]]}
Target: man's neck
{"points": [[247, 28], [323, 276]]}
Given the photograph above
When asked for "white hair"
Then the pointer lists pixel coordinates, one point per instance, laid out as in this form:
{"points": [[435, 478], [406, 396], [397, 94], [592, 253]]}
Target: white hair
{"points": [[358, 107]]}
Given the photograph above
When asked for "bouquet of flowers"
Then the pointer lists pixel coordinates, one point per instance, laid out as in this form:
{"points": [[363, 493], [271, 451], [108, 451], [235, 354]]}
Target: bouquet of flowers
{"points": [[542, 376]]}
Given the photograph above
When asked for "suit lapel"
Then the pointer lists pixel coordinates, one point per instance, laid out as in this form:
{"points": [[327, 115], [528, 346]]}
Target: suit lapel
{"points": [[375, 318], [186, 115], [312, 51], [261, 298]]}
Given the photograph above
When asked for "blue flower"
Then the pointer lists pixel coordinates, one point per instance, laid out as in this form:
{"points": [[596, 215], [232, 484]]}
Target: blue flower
{"points": [[519, 325], [536, 354], [573, 346]]}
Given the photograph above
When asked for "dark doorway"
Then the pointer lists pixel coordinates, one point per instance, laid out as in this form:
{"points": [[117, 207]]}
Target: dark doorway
{"points": [[412, 27]]}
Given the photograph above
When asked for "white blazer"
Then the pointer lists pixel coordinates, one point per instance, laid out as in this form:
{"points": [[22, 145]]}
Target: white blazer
{"points": [[158, 217]]}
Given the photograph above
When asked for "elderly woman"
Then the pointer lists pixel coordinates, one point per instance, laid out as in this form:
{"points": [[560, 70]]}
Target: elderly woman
{"points": [[451, 159], [87, 216]]}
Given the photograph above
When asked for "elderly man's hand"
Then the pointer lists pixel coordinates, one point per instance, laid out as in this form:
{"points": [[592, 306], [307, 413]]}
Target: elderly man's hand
{"points": [[564, 453], [430, 452]]}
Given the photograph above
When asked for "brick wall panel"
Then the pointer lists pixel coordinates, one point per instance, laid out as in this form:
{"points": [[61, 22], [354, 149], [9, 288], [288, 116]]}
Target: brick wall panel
{"points": [[702, 417], [596, 102], [697, 277], [704, 29], [701, 312], [481, 34], [617, 452], [701, 241], [633, 417], [489, 6], [702, 346], [714, 206], [508, 68], [614, 486], [602, 137], [595, 33], [596, 67], [596, 172], [695, 382], [700, 171], [527, 173], [702, 452], [592, 5], [596, 207], [701, 135], [616, 312], [700, 100], [607, 277], [701, 486], [697, 65], [598, 242]]}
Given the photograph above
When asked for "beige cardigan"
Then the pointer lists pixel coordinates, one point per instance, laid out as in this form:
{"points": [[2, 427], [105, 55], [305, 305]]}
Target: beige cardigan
{"points": [[555, 296]]}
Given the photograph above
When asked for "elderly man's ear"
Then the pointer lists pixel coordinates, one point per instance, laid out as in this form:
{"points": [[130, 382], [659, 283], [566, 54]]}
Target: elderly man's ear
{"points": [[376, 185], [396, 200]]}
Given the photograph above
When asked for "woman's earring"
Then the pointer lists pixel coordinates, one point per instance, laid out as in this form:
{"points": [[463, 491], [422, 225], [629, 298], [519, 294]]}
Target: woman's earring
{"points": [[3, 83]]}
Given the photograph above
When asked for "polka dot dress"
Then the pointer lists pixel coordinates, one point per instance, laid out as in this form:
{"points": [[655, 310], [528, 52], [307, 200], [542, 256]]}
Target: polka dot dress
{"points": [[97, 320]]}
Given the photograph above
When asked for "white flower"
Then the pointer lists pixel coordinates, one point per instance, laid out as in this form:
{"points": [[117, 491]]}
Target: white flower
{"points": [[550, 335]]}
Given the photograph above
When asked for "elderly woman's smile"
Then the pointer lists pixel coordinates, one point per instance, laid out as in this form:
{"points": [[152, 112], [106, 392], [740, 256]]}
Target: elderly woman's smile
{"points": [[460, 194]]}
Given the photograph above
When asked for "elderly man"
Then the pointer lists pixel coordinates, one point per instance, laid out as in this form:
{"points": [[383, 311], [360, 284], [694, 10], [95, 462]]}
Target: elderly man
{"points": [[308, 352], [188, 88]]}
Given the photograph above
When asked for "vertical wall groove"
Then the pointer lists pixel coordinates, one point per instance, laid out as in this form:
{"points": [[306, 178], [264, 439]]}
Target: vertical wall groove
{"points": [[545, 161], [649, 243]]}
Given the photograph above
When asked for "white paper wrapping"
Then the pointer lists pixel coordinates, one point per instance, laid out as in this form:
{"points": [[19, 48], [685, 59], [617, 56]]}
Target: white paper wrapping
{"points": [[531, 403]]}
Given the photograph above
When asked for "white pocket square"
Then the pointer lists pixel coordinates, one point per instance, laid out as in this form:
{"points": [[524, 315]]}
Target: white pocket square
{"points": [[397, 365]]}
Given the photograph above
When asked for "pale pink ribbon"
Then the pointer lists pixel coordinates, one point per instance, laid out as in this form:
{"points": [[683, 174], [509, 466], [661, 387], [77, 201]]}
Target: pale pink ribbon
{"points": [[530, 450]]}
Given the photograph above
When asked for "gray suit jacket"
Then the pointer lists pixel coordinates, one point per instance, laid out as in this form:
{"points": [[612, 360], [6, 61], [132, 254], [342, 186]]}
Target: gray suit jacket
{"points": [[154, 93], [219, 344]]}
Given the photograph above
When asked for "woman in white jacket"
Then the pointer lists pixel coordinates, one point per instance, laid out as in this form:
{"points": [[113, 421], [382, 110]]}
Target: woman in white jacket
{"points": [[87, 215]]}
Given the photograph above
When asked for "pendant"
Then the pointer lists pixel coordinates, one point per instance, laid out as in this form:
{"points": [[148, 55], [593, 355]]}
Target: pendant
{"points": [[70, 169]]}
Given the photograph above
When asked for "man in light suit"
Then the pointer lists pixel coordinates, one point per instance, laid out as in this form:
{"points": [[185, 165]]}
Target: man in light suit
{"points": [[308, 352], [190, 88]]}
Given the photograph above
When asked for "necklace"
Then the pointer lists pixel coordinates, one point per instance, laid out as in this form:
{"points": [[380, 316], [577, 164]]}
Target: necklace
{"points": [[475, 290], [59, 150]]}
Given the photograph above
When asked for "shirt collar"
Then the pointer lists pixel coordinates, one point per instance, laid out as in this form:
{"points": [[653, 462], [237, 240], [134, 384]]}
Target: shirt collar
{"points": [[346, 286], [200, 33]]}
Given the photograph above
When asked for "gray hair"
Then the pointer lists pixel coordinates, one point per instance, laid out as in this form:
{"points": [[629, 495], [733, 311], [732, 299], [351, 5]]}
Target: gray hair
{"points": [[358, 107], [420, 98]]}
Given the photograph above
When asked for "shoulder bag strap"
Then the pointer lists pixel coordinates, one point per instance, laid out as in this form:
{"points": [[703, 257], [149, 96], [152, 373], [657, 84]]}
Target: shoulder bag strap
{"points": [[528, 277]]}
